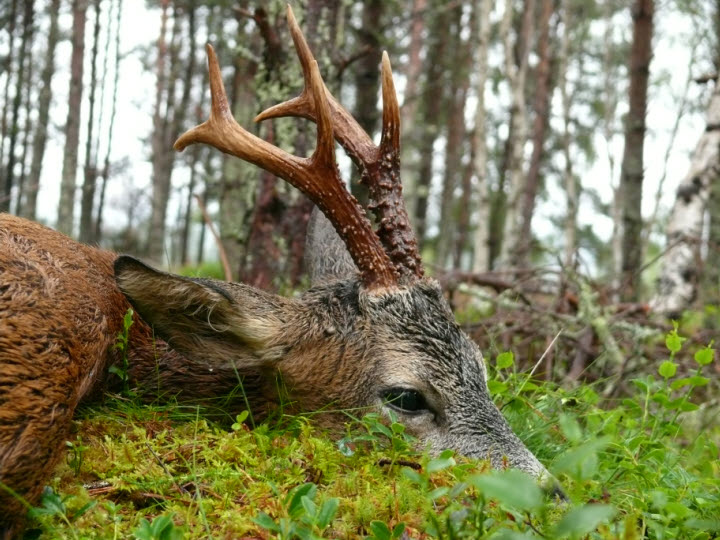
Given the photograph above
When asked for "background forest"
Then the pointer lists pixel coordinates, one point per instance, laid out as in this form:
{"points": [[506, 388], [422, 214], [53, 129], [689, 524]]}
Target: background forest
{"points": [[538, 136]]}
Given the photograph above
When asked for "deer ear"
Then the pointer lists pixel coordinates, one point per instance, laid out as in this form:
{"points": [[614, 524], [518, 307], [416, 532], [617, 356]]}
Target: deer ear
{"points": [[206, 319]]}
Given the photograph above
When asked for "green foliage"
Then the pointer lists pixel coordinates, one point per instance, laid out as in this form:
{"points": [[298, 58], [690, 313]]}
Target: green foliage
{"points": [[161, 528], [121, 344], [642, 467]]}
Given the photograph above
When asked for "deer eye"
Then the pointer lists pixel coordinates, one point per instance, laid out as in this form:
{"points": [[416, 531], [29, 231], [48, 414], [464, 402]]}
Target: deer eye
{"points": [[402, 399]]}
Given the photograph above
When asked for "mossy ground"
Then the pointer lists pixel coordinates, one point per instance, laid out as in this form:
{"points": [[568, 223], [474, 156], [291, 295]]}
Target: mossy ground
{"points": [[646, 466]]}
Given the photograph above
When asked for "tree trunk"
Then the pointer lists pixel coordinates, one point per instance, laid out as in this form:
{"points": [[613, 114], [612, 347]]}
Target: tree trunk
{"points": [[9, 72], [458, 67], [66, 207], [679, 275], [543, 90], [159, 195], [28, 106], [481, 260], [569, 180], [15, 122], [239, 178], [185, 102], [113, 110], [431, 116], [516, 75], [40, 136], [631, 174], [367, 79], [413, 70], [90, 170]]}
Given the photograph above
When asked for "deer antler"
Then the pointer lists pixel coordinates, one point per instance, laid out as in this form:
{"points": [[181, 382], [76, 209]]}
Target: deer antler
{"points": [[379, 165], [316, 176]]}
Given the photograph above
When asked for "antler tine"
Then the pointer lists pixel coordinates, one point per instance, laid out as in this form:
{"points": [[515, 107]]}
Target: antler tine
{"points": [[382, 176], [317, 176], [379, 166], [347, 131]]}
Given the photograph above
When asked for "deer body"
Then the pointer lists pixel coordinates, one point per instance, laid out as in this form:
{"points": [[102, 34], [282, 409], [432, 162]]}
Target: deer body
{"points": [[372, 332]]}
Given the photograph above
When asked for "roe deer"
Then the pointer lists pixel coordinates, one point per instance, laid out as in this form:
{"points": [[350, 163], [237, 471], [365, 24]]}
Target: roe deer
{"points": [[371, 332]]}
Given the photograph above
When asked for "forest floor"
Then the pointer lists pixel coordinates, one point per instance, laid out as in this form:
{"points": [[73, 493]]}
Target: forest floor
{"points": [[644, 465]]}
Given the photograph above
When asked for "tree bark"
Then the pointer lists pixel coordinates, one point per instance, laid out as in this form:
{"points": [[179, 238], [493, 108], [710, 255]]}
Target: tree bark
{"points": [[66, 207], [8, 78], [459, 83], [516, 75], [631, 174], [481, 254], [90, 169], [28, 106], [111, 125], [431, 117], [17, 100], [239, 179], [185, 102], [569, 180], [679, 275], [543, 90], [367, 79], [40, 135], [409, 107], [159, 196]]}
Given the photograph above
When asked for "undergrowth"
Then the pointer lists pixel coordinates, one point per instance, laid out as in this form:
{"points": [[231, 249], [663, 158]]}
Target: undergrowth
{"points": [[645, 466]]}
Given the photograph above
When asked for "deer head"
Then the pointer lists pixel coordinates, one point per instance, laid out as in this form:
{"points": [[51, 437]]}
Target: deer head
{"points": [[373, 332]]}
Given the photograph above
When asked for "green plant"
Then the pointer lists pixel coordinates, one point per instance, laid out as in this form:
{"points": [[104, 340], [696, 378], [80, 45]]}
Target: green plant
{"points": [[161, 528], [76, 451], [121, 344], [302, 518]]}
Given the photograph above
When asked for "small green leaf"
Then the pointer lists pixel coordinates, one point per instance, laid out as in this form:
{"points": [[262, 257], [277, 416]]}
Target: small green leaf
{"points": [[439, 464], [705, 356], [673, 341], [504, 360], [438, 492], [398, 530], [584, 519], [309, 506], [266, 522], [497, 387], [570, 428], [327, 512], [295, 505], [397, 427], [511, 488], [380, 530], [667, 369]]}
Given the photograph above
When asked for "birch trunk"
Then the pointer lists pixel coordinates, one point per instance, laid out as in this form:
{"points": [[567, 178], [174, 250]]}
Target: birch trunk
{"points": [[40, 135], [679, 275], [481, 254], [17, 100], [516, 74]]}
